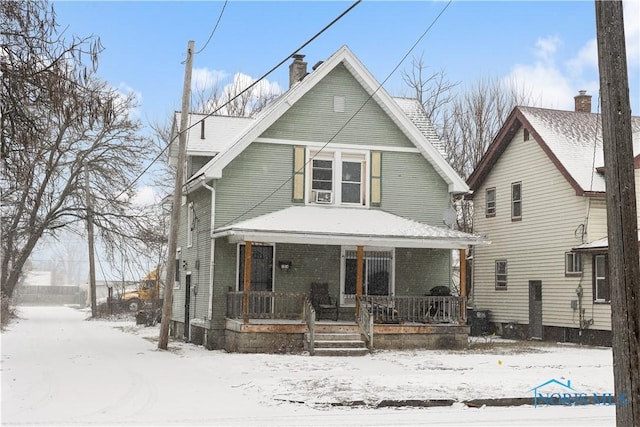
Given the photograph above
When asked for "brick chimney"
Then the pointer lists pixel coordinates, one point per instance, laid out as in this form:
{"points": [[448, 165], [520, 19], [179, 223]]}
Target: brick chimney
{"points": [[297, 69], [583, 102]]}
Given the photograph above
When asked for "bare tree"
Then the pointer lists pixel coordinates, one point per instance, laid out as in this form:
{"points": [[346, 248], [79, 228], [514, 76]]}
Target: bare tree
{"points": [[467, 122], [58, 120], [434, 91]]}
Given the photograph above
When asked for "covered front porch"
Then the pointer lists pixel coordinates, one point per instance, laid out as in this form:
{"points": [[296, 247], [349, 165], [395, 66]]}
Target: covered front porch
{"points": [[378, 270], [282, 322]]}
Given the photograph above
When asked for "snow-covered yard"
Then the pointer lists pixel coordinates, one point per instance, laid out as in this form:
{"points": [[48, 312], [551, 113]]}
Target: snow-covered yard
{"points": [[58, 369]]}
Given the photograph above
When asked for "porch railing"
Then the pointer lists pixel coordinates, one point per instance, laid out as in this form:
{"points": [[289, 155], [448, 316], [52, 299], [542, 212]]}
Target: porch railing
{"points": [[365, 320], [309, 317], [427, 309], [265, 305]]}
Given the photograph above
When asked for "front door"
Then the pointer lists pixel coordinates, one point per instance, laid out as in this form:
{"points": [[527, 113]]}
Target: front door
{"points": [[261, 268], [535, 309], [261, 277]]}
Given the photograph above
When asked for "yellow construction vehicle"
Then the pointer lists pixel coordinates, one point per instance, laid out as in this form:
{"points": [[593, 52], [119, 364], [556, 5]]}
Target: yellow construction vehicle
{"points": [[147, 292]]}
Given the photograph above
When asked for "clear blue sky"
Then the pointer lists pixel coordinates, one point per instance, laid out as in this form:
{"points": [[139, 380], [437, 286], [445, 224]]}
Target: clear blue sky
{"points": [[548, 46]]}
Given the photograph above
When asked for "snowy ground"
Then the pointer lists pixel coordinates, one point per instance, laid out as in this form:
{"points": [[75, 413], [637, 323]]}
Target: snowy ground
{"points": [[59, 369]]}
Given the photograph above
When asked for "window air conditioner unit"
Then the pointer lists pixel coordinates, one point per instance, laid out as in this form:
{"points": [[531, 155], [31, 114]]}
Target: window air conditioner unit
{"points": [[322, 196]]}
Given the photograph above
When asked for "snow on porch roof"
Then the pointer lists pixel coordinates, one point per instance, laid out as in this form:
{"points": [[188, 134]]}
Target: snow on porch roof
{"points": [[597, 245], [345, 226]]}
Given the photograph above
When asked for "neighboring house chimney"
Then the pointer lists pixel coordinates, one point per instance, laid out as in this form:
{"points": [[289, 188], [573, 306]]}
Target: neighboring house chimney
{"points": [[583, 102], [297, 69]]}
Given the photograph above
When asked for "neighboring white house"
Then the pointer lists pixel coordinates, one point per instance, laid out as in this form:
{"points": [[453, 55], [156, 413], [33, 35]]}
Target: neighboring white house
{"points": [[539, 196]]}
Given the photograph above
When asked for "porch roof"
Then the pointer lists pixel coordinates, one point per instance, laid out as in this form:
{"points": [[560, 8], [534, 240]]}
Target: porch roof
{"points": [[345, 226], [600, 245]]}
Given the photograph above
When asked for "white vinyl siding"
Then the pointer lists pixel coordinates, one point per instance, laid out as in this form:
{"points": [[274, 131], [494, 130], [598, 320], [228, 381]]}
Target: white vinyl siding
{"points": [[535, 247]]}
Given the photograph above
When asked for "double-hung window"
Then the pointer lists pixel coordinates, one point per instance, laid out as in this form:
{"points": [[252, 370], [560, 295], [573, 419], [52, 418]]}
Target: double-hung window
{"points": [[501, 274], [601, 289], [322, 181], [516, 201], [490, 202], [572, 264], [338, 178]]}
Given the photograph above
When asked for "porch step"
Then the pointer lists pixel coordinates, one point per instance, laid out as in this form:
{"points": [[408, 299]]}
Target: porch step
{"points": [[337, 340], [341, 351]]}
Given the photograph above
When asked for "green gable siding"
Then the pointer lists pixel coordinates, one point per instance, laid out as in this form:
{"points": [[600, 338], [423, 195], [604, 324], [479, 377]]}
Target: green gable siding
{"points": [[412, 188], [252, 176], [196, 163], [313, 119]]}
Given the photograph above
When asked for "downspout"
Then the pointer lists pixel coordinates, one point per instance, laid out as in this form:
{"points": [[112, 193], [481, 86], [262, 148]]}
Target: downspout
{"points": [[213, 246]]}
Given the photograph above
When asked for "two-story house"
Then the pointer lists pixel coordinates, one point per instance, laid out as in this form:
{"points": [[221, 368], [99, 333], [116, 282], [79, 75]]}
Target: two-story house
{"points": [[336, 183], [539, 196]]}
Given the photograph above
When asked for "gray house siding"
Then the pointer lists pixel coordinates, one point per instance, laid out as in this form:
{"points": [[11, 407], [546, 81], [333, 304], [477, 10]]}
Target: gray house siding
{"points": [[258, 171], [194, 259], [419, 270], [309, 263], [259, 181], [313, 118], [411, 188]]}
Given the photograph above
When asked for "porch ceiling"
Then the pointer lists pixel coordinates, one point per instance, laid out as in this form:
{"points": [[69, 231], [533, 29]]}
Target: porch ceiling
{"points": [[345, 226]]}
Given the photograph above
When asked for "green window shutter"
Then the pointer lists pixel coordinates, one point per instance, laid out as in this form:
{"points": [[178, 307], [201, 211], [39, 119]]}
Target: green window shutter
{"points": [[298, 174], [376, 178]]}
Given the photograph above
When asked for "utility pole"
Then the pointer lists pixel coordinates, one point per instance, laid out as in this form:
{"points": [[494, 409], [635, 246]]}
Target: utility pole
{"points": [[177, 202], [92, 262], [624, 268]]}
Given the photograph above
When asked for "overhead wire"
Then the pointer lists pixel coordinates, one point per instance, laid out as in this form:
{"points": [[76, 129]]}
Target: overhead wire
{"points": [[348, 121], [214, 28], [248, 88]]}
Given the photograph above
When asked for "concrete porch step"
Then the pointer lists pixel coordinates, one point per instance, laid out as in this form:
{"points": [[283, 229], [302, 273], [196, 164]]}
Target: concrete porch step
{"points": [[340, 344], [341, 351], [336, 339], [335, 336]]}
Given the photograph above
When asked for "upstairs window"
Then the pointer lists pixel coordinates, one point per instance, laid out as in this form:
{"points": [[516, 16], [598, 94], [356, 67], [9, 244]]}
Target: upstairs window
{"points": [[322, 181], [352, 182], [338, 178], [572, 264], [516, 201], [491, 202]]}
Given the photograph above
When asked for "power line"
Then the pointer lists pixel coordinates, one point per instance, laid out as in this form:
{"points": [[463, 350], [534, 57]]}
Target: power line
{"points": [[214, 28], [349, 120], [305, 44]]}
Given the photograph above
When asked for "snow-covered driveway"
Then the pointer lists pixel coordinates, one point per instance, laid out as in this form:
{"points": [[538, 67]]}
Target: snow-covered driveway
{"points": [[60, 369]]}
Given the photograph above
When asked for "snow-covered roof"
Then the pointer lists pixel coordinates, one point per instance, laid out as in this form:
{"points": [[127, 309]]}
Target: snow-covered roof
{"points": [[219, 133], [597, 245], [345, 226], [572, 140], [415, 112]]}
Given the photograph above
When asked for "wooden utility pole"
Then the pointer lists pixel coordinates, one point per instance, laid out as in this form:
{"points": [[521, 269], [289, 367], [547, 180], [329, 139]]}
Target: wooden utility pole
{"points": [[177, 202], [624, 267], [92, 262]]}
